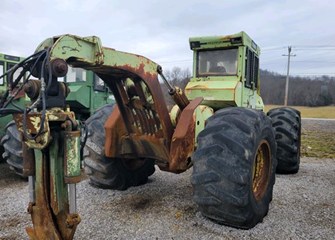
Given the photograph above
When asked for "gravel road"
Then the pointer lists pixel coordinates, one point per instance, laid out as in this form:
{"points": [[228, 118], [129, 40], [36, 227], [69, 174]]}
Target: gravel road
{"points": [[302, 208]]}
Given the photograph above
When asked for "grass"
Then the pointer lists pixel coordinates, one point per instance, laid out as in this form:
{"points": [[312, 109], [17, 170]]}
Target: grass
{"points": [[310, 112], [319, 144]]}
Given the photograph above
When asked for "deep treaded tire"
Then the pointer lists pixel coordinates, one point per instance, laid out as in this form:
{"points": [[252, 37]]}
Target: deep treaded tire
{"points": [[234, 167], [287, 124], [13, 148], [118, 174], [2, 150]]}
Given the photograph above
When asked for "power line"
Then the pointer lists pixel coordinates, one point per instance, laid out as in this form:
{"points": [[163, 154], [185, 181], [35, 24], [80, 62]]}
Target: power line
{"points": [[313, 46], [300, 48], [314, 74], [312, 61]]}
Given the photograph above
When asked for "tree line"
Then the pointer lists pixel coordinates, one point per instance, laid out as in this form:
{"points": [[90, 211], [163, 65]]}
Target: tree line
{"points": [[303, 91]]}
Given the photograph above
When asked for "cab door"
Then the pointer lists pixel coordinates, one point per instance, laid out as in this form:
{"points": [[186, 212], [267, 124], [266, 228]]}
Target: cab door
{"points": [[251, 80]]}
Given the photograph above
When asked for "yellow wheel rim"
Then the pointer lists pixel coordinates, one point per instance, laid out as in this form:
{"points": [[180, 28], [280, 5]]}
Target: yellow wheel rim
{"points": [[261, 170]]}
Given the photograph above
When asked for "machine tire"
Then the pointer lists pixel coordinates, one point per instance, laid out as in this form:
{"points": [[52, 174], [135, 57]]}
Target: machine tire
{"points": [[12, 145], [234, 167], [2, 150], [106, 172], [287, 124]]}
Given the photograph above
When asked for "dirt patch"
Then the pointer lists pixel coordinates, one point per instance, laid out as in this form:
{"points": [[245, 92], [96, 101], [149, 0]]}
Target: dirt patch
{"points": [[140, 203]]}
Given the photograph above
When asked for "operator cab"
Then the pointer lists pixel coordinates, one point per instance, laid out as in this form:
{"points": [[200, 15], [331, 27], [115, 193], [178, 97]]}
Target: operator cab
{"points": [[225, 71], [6, 63]]}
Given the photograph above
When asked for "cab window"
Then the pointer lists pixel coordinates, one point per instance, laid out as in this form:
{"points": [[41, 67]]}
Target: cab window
{"points": [[75, 75], [217, 62], [252, 69], [16, 74], [99, 84]]}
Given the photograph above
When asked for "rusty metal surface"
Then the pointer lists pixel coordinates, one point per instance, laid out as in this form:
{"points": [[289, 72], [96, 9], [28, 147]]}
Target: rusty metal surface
{"points": [[142, 104], [182, 145], [180, 98], [44, 224], [138, 128], [118, 144], [135, 129], [33, 125], [114, 129], [59, 67], [141, 126], [28, 160], [32, 89], [72, 220], [114, 67], [143, 145], [50, 211]]}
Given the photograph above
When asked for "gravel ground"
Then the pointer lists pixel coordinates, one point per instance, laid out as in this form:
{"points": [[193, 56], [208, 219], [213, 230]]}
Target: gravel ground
{"points": [[302, 208]]}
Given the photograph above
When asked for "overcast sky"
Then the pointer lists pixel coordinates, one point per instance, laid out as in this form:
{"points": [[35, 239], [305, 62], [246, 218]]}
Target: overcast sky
{"points": [[160, 29]]}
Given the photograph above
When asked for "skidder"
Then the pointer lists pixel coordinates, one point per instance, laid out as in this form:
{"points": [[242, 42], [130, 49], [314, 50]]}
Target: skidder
{"points": [[217, 126]]}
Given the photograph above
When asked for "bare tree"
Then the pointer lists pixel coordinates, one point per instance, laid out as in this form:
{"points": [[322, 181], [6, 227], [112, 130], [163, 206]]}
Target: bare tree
{"points": [[177, 77], [304, 91]]}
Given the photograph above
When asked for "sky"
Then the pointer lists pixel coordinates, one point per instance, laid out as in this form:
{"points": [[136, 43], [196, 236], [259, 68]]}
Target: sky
{"points": [[160, 29]]}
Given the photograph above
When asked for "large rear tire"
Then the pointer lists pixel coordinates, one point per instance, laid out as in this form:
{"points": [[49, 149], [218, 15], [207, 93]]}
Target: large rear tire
{"points": [[104, 172], [234, 167], [287, 124], [12, 145]]}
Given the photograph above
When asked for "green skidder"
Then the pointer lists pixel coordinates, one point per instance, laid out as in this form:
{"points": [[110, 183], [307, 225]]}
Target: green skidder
{"points": [[238, 147]]}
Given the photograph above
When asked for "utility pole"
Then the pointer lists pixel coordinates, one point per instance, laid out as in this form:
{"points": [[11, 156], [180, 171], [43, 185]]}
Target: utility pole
{"points": [[289, 55]]}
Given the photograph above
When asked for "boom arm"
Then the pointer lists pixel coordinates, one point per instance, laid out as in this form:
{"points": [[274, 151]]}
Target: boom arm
{"points": [[133, 80], [140, 127], [113, 67]]}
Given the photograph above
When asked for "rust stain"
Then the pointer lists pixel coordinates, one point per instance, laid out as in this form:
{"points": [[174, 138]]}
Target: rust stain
{"points": [[28, 160], [114, 129], [49, 213], [151, 81], [182, 145]]}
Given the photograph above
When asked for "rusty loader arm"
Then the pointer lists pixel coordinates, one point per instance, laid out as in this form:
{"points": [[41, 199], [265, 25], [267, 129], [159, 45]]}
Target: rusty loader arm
{"points": [[138, 128]]}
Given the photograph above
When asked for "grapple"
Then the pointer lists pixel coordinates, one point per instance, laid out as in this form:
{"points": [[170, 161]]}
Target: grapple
{"points": [[139, 127]]}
